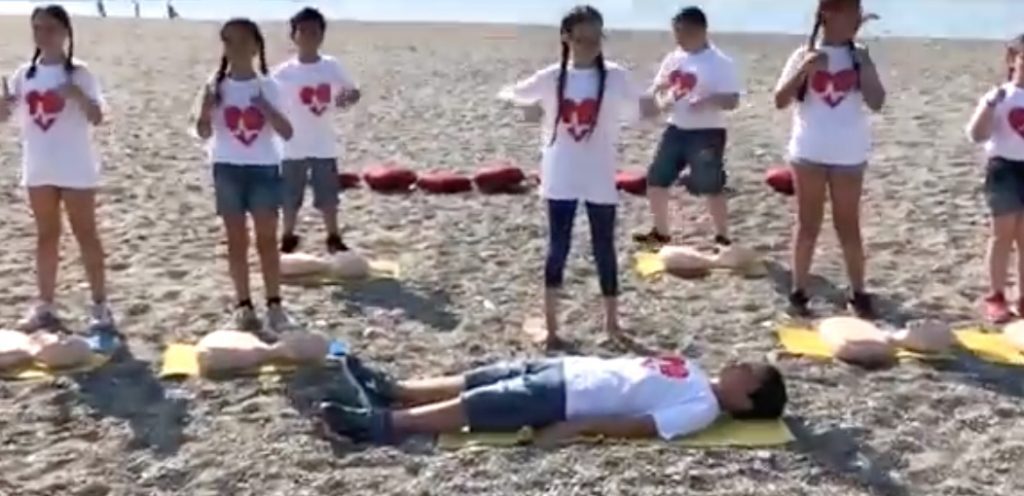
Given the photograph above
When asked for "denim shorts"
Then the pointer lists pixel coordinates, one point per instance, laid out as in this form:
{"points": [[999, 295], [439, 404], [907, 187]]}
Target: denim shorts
{"points": [[320, 173], [242, 189], [702, 150], [506, 397], [1004, 186]]}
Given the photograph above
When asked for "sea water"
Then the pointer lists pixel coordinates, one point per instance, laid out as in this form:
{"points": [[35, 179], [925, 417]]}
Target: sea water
{"points": [[985, 19]]}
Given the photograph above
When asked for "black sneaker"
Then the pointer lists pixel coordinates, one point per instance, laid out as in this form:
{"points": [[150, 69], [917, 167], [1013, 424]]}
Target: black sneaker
{"points": [[798, 303], [361, 425], [652, 237], [289, 243], [861, 304], [335, 244], [380, 388], [722, 241]]}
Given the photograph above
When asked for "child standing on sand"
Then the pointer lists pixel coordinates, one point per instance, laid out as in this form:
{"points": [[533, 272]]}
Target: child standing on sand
{"points": [[240, 117], [830, 80], [312, 84], [998, 123], [697, 83], [584, 100], [56, 99]]}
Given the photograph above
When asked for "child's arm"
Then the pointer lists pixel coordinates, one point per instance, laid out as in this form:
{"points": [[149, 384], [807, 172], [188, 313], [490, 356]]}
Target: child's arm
{"points": [[349, 94], [794, 75], [268, 100], [979, 128], [7, 101], [870, 83], [611, 427], [86, 94], [204, 117], [727, 90]]}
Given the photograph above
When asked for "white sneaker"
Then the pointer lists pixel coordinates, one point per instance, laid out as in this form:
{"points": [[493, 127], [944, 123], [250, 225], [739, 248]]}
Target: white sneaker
{"points": [[41, 316], [100, 317], [244, 318], [278, 320]]}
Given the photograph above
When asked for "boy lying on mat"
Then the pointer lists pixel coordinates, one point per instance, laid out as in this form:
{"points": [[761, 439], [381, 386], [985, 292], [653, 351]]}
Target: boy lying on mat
{"points": [[564, 397], [45, 348], [225, 350]]}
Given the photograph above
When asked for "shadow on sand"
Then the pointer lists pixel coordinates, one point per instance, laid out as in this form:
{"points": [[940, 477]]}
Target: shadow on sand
{"points": [[430, 308]]}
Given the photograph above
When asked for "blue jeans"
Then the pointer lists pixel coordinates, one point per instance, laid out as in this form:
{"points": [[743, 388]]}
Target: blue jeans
{"points": [[242, 189], [509, 396], [561, 214]]}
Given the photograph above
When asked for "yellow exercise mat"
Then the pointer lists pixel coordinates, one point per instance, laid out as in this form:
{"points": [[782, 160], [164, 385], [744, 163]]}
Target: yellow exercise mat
{"points": [[649, 264], [37, 371], [724, 433], [990, 346], [181, 360], [379, 269], [807, 342]]}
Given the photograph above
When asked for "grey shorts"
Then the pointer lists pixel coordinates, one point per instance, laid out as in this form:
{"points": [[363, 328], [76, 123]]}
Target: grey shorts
{"points": [[509, 396], [1004, 186], [829, 167], [244, 189], [320, 173], [700, 150]]}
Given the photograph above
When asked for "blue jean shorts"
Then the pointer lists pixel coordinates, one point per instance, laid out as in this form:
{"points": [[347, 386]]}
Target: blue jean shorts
{"points": [[1004, 186], [700, 150], [319, 173], [506, 397], [242, 189]]}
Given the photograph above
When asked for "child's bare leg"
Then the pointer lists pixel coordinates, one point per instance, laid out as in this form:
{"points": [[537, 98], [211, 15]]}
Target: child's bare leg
{"points": [[81, 212], [237, 230], [845, 188], [45, 203], [444, 416], [1004, 232], [424, 391]]}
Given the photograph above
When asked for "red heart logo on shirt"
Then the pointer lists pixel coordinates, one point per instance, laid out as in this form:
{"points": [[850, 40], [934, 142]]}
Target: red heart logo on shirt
{"points": [[1016, 120], [834, 87], [245, 124], [579, 117], [682, 83], [669, 366], [44, 107], [317, 98]]}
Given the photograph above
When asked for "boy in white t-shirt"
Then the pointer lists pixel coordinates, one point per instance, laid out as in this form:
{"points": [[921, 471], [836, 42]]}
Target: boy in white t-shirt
{"points": [[697, 84], [666, 397], [313, 85], [56, 100], [998, 123], [831, 83]]}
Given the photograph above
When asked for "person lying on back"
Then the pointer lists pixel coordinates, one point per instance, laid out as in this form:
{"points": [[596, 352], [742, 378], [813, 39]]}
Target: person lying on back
{"points": [[633, 397]]}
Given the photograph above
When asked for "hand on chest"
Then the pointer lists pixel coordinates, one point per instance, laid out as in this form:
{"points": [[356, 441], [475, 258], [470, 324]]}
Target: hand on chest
{"points": [[243, 118], [683, 81], [833, 86], [316, 97]]}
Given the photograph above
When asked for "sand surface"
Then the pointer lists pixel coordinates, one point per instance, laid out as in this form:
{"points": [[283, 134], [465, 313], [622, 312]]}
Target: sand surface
{"points": [[471, 274]]}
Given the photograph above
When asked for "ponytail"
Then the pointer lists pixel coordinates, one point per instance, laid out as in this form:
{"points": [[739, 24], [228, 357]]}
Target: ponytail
{"points": [[602, 73], [562, 72], [222, 72], [812, 40], [69, 62], [31, 73]]}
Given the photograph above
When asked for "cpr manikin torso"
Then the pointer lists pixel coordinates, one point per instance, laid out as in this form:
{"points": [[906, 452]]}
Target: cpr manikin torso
{"points": [[1014, 334], [236, 350], [343, 265], [44, 348], [688, 262], [862, 343]]}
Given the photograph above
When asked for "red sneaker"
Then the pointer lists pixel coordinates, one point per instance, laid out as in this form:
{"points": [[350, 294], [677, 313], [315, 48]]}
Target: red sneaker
{"points": [[997, 311]]}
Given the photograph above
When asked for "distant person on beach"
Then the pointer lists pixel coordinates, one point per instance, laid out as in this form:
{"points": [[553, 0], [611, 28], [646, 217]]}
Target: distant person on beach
{"points": [[627, 397], [313, 85], [241, 114], [697, 83], [101, 9], [56, 99], [138, 12], [998, 124], [830, 81], [172, 13], [584, 100]]}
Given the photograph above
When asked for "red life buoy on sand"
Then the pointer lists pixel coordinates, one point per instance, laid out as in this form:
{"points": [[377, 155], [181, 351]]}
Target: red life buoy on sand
{"points": [[389, 178], [632, 182], [444, 183], [781, 180], [499, 178], [348, 180]]}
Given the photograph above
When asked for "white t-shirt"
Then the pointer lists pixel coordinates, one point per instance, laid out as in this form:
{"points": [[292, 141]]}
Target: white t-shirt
{"points": [[675, 393], [242, 135], [697, 75], [581, 163], [309, 91], [1007, 140], [56, 137], [831, 125]]}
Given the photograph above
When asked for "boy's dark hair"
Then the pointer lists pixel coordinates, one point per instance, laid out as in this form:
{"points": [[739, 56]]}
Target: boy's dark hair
{"points": [[769, 399], [691, 16], [57, 13], [308, 14]]}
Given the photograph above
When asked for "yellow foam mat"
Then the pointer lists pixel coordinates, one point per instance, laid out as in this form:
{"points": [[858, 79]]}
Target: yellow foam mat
{"points": [[38, 371], [991, 347], [181, 360], [379, 269], [724, 433]]}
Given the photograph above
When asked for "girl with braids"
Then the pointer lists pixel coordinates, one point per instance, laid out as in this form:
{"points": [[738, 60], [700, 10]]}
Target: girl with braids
{"points": [[997, 123], [583, 100], [240, 117], [830, 80], [56, 100]]}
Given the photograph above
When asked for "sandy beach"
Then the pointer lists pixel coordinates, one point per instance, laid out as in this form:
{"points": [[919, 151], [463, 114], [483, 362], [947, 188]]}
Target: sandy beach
{"points": [[471, 273]]}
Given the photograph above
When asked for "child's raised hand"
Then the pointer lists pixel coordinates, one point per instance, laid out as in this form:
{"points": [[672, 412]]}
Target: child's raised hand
{"points": [[6, 100], [347, 97], [996, 96], [71, 91], [533, 113], [7, 96], [814, 60]]}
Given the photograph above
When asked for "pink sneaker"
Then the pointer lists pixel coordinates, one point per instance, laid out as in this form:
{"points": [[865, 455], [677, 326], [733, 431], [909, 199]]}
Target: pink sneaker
{"points": [[997, 311]]}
